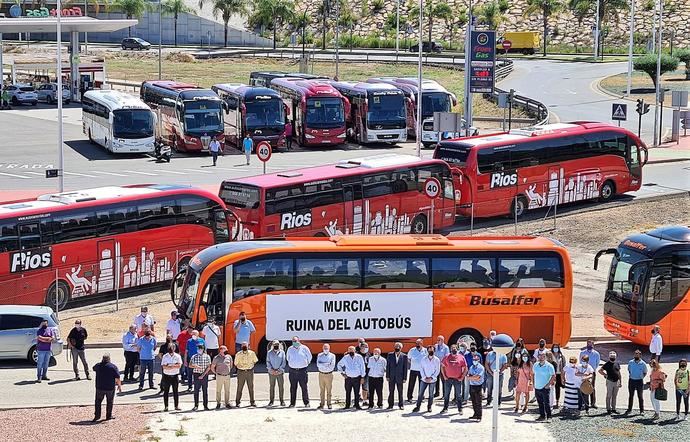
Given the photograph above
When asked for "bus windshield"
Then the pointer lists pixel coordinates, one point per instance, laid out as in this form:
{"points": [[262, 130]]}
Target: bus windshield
{"points": [[265, 113], [435, 102], [132, 123], [240, 195], [453, 153], [386, 110], [325, 113], [202, 116], [621, 298]]}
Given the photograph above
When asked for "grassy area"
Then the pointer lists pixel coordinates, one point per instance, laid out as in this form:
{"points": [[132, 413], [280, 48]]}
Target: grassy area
{"points": [[641, 83], [140, 67]]}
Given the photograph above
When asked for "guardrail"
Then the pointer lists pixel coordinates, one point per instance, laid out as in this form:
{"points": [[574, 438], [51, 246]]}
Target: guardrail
{"points": [[125, 84]]}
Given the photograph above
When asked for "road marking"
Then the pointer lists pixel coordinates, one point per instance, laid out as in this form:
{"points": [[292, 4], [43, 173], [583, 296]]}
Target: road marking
{"points": [[108, 173], [35, 173], [80, 174], [170, 171], [197, 170], [140, 173], [15, 176]]}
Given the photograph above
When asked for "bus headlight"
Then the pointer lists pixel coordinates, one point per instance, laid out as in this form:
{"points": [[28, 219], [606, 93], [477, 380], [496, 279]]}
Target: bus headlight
{"points": [[342, 135], [309, 137]]}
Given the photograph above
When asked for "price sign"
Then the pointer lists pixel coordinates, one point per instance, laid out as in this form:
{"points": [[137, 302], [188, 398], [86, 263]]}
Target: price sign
{"points": [[263, 151], [432, 188]]}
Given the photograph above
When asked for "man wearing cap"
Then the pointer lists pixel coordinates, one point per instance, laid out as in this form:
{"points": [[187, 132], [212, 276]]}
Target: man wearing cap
{"points": [[611, 371], [75, 342], [144, 318], [221, 365], [173, 326], [275, 365], [107, 377]]}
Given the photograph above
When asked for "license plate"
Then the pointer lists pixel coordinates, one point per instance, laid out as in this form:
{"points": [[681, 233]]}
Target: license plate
{"points": [[387, 137], [326, 142]]}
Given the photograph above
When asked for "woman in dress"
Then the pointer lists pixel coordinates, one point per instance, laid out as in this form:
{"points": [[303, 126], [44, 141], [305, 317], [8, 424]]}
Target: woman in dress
{"points": [[525, 382], [571, 381]]}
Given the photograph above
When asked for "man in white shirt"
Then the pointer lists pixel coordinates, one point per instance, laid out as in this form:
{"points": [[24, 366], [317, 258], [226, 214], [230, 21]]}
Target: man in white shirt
{"points": [[144, 318], [656, 345], [377, 370], [173, 326], [429, 369], [211, 333], [298, 359], [325, 363], [415, 356], [351, 366], [171, 363], [244, 328]]}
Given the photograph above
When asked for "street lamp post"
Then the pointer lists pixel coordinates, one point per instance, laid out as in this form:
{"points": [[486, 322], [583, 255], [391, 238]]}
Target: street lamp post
{"points": [[657, 123], [86, 34], [160, 39], [501, 344], [337, 39], [596, 31], [419, 81], [630, 46], [61, 157], [397, 29], [468, 50]]}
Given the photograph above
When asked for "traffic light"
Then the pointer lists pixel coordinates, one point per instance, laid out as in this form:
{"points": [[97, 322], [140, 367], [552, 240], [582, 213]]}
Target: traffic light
{"points": [[640, 106], [645, 109]]}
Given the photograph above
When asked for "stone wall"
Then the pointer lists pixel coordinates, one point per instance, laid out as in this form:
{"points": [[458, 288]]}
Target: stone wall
{"points": [[564, 28]]}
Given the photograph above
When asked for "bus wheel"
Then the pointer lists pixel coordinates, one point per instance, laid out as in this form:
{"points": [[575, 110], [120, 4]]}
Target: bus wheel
{"points": [[419, 226], [57, 296], [466, 334], [518, 208], [608, 190]]}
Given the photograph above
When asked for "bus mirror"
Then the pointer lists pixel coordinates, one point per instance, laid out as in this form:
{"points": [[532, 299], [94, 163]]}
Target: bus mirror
{"points": [[176, 285], [604, 252], [234, 224], [202, 316], [645, 156], [226, 107]]}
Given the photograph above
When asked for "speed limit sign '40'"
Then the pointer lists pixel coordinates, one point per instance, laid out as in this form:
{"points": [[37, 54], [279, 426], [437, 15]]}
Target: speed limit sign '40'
{"points": [[263, 151], [432, 188]]}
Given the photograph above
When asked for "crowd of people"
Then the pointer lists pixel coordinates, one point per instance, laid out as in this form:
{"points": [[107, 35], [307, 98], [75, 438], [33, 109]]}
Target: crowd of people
{"points": [[460, 373]]}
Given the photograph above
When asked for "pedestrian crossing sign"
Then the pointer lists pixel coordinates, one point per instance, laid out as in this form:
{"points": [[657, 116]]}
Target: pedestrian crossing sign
{"points": [[619, 112]]}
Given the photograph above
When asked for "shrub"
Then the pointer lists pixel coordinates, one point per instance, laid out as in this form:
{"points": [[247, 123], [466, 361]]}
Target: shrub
{"points": [[647, 64], [683, 55], [377, 6]]}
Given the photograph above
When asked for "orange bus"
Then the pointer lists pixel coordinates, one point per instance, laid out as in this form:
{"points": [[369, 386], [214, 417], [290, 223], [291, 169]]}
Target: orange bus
{"points": [[383, 288]]}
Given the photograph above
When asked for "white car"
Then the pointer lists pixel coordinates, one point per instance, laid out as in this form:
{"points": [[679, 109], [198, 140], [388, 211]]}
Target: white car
{"points": [[22, 94], [48, 93], [18, 327]]}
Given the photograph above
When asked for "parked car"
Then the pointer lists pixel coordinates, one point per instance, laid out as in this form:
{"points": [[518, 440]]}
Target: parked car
{"points": [[48, 93], [22, 94], [135, 43], [427, 47], [18, 327]]}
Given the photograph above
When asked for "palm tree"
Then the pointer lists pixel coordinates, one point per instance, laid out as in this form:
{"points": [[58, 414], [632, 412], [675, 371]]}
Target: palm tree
{"points": [[226, 9], [175, 8], [300, 21], [434, 10], [347, 20], [132, 8], [493, 14], [272, 13], [608, 11], [547, 8]]}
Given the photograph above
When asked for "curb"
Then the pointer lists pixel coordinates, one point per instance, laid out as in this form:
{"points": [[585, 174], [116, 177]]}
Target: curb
{"points": [[668, 160], [604, 91]]}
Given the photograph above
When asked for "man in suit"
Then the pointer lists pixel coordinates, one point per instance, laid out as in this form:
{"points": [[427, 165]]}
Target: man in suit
{"points": [[396, 374]]}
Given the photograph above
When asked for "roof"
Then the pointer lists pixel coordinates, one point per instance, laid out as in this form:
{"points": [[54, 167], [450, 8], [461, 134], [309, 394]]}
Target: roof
{"points": [[68, 24], [409, 84], [116, 98], [343, 168], [314, 87], [362, 86], [249, 92], [654, 240], [25, 310]]}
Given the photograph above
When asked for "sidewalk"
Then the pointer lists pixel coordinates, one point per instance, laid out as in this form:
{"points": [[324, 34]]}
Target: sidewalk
{"points": [[670, 152]]}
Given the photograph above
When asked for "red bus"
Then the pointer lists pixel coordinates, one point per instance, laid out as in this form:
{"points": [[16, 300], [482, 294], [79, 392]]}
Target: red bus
{"points": [[317, 110], [64, 246], [373, 195], [542, 166], [186, 114]]}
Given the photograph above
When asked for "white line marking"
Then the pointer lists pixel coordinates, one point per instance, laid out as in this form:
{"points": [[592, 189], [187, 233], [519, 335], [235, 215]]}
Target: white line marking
{"points": [[35, 173], [197, 170], [140, 173], [170, 171], [108, 173], [15, 176], [80, 174]]}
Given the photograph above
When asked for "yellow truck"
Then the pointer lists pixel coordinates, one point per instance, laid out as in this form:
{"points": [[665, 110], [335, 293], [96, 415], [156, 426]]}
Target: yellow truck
{"points": [[525, 42]]}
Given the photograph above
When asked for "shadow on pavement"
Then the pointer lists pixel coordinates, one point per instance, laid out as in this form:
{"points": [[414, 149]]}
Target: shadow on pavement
{"points": [[21, 383], [84, 422], [94, 152]]}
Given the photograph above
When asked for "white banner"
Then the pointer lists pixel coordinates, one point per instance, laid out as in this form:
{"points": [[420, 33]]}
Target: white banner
{"points": [[328, 316]]}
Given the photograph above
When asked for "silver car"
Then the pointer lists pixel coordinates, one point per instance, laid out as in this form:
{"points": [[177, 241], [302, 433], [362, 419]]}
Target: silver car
{"points": [[18, 327], [48, 93]]}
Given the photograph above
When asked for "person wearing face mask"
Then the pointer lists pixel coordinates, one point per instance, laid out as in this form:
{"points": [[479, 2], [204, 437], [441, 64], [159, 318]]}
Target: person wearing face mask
{"points": [[377, 370], [430, 369], [453, 370], [682, 383], [298, 359], [571, 401], [276, 362], [351, 366], [143, 318], [489, 367], [243, 329], [544, 376], [182, 339], [171, 364], [396, 374], [75, 342], [325, 363], [245, 360], [201, 366], [221, 367], [191, 349], [146, 346], [415, 356], [611, 371], [466, 351], [44, 342], [657, 377], [475, 375], [585, 372], [211, 332], [107, 378], [441, 350], [594, 360], [129, 345], [637, 371], [558, 364], [363, 350], [525, 382], [656, 344]]}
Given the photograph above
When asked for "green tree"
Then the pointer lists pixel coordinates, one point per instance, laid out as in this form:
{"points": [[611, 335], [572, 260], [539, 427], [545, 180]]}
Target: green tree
{"points": [[132, 8], [300, 22], [175, 8], [647, 64], [272, 14], [493, 14], [609, 10], [683, 55], [226, 9], [546, 8], [431, 11], [347, 20]]}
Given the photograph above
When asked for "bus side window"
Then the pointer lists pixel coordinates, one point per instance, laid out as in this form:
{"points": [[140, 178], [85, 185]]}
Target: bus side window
{"points": [[389, 273], [404, 180], [29, 236], [376, 185], [530, 272], [680, 273], [463, 272], [194, 210], [264, 275], [328, 273], [9, 241], [660, 281]]}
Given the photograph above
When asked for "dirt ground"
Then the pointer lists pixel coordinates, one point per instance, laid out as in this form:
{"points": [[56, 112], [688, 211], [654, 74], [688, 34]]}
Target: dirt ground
{"points": [[576, 231]]}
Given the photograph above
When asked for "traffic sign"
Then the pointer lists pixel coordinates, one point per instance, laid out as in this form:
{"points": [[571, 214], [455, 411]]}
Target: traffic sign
{"points": [[263, 151], [619, 112], [507, 44], [432, 188]]}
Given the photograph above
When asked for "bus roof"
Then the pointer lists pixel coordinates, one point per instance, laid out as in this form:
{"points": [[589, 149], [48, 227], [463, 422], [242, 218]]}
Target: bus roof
{"points": [[343, 168], [410, 84], [354, 87], [651, 242], [373, 243], [116, 99], [171, 85], [308, 88], [44, 203], [248, 92]]}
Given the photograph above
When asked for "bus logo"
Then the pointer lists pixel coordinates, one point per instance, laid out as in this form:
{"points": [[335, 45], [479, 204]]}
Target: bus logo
{"points": [[293, 220], [30, 260], [502, 179]]}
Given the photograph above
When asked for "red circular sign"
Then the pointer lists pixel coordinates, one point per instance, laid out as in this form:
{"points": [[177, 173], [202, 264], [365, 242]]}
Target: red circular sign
{"points": [[507, 44], [263, 151], [432, 188]]}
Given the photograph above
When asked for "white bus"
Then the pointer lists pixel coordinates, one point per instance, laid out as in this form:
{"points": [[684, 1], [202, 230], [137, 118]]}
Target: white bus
{"points": [[117, 121]]}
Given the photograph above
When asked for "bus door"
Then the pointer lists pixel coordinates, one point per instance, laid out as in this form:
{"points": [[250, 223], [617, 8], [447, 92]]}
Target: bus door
{"points": [[213, 307], [353, 218], [665, 303], [633, 159], [553, 192], [107, 271]]}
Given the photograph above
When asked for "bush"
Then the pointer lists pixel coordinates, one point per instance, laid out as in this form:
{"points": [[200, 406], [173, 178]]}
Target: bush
{"points": [[377, 6], [647, 64], [683, 55]]}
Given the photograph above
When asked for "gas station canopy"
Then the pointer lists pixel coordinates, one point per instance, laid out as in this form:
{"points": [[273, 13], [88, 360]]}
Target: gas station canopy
{"points": [[69, 24]]}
